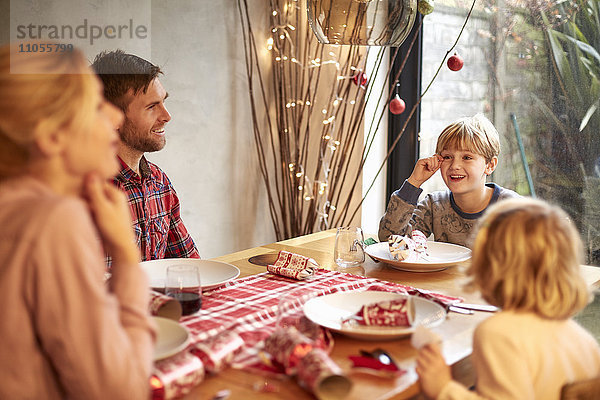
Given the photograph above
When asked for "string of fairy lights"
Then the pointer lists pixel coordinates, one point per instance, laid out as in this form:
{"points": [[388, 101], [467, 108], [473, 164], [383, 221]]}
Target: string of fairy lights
{"points": [[298, 182], [283, 49]]}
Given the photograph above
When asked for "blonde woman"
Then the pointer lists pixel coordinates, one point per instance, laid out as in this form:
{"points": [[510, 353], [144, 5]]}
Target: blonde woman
{"points": [[526, 259], [65, 333]]}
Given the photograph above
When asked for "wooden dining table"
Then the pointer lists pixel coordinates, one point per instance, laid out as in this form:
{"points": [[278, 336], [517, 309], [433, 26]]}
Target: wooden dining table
{"points": [[456, 331]]}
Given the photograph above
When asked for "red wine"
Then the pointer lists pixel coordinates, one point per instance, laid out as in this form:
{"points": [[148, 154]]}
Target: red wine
{"points": [[190, 302]]}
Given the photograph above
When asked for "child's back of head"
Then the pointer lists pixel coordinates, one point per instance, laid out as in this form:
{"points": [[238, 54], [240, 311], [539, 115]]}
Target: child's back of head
{"points": [[475, 134], [527, 256]]}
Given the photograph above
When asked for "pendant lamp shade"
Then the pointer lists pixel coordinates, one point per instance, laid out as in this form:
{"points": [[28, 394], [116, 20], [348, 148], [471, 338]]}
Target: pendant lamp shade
{"points": [[362, 22]]}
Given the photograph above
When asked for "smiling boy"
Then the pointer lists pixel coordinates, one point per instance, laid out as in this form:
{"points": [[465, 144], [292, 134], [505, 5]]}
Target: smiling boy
{"points": [[466, 153], [131, 83]]}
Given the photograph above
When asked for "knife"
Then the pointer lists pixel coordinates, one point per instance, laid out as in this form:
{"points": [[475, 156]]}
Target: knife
{"points": [[476, 307], [460, 310]]}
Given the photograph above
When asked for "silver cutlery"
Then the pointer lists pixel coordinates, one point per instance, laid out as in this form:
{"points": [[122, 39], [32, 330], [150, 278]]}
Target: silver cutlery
{"points": [[474, 307], [380, 355], [460, 310]]}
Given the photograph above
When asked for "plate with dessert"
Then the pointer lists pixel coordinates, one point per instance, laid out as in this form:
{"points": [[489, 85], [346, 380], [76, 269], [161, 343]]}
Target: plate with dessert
{"points": [[373, 315], [417, 254]]}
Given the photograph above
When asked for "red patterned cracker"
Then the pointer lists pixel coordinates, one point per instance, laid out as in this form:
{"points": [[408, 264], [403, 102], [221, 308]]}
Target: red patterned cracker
{"points": [[420, 241], [399, 312], [293, 265], [178, 375], [164, 306], [319, 374], [320, 337], [409, 249], [298, 274], [287, 346], [401, 247], [218, 352]]}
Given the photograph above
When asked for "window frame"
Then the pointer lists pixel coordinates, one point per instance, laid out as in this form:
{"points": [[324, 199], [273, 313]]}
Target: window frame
{"points": [[404, 157]]}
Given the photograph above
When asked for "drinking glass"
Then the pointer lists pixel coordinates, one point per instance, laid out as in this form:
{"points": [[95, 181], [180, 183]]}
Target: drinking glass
{"points": [[348, 250], [290, 308], [183, 284]]}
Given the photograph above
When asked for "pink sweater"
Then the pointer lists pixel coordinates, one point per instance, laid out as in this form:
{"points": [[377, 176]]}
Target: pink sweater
{"points": [[64, 333]]}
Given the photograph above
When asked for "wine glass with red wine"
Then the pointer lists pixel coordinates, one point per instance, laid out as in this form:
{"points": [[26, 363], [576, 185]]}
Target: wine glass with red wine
{"points": [[183, 284]]}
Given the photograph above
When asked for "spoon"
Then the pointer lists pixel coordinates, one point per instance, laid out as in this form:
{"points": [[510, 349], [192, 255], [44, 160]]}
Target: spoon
{"points": [[380, 355]]}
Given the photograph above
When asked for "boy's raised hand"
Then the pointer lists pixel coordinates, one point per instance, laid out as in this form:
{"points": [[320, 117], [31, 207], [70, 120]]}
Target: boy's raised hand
{"points": [[424, 169]]}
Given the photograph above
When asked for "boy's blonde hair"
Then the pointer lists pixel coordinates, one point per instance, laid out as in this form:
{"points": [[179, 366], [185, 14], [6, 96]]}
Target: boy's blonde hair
{"points": [[527, 257], [476, 134]]}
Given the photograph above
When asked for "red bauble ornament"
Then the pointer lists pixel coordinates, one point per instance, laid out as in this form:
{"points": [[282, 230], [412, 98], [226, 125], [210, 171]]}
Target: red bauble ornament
{"points": [[455, 63], [397, 105], [360, 79]]}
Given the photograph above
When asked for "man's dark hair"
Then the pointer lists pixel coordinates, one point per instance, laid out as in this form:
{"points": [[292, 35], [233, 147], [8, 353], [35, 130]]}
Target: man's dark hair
{"points": [[121, 72]]}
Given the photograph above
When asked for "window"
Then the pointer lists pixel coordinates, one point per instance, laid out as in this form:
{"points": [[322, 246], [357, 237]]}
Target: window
{"points": [[533, 68]]}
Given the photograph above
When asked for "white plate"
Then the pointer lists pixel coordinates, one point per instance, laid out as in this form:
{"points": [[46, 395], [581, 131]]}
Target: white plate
{"points": [[171, 338], [212, 273], [440, 256], [330, 310]]}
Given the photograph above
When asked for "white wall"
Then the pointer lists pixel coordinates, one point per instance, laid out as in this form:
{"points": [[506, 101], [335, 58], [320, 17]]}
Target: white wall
{"points": [[210, 154], [374, 205]]}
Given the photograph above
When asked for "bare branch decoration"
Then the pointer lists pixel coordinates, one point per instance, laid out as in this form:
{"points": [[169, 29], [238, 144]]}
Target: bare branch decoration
{"points": [[308, 104]]}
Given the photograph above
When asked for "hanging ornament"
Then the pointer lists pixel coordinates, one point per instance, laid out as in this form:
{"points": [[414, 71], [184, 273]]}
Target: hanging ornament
{"points": [[425, 7], [455, 63], [397, 105], [360, 79]]}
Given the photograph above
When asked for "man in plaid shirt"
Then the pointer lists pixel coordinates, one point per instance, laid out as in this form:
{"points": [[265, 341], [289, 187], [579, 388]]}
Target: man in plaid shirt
{"points": [[131, 83]]}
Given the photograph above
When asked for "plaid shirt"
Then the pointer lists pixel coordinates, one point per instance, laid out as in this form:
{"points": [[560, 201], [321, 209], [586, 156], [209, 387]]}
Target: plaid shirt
{"points": [[154, 205]]}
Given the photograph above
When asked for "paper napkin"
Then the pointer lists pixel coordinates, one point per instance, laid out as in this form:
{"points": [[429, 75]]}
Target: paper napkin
{"points": [[423, 336]]}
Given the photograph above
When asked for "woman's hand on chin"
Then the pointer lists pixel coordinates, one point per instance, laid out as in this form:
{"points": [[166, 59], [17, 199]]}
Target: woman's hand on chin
{"points": [[112, 217]]}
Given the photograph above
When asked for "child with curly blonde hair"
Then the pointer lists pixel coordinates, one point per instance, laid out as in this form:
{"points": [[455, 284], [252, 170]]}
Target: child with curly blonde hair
{"points": [[526, 260]]}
